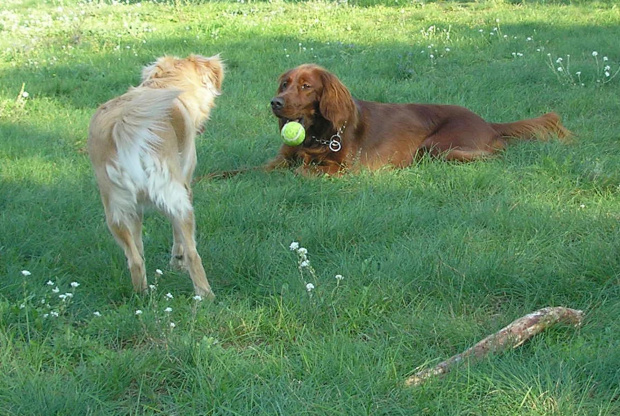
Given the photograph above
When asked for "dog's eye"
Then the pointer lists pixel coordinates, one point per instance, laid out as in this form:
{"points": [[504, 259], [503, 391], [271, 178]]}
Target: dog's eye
{"points": [[306, 86], [283, 86]]}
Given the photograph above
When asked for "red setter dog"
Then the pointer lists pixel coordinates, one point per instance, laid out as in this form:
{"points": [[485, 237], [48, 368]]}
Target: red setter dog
{"points": [[343, 133]]}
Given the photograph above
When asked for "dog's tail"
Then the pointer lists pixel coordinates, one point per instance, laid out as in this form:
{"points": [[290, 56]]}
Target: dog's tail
{"points": [[543, 128], [226, 173], [139, 122]]}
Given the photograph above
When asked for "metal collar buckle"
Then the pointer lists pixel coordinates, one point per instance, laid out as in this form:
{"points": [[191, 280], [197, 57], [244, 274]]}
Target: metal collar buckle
{"points": [[335, 142]]}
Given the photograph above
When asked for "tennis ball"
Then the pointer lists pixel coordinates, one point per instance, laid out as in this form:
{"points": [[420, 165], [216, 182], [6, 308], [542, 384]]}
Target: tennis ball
{"points": [[293, 133]]}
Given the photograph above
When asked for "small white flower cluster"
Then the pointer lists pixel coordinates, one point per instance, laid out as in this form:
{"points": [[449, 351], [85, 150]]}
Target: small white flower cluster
{"points": [[167, 310], [304, 265], [302, 253], [64, 297], [561, 68]]}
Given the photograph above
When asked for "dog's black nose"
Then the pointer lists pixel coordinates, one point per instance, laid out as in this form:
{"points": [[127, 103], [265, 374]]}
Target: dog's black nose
{"points": [[277, 103]]}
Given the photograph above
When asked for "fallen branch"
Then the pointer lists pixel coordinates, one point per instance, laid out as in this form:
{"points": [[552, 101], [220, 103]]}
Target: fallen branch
{"points": [[513, 336]]}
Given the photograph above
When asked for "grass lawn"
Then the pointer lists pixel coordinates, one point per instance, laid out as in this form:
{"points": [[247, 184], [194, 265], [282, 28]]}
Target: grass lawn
{"points": [[433, 258]]}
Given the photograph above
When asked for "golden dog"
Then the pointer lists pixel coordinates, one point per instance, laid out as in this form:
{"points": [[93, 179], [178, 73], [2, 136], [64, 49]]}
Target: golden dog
{"points": [[142, 147]]}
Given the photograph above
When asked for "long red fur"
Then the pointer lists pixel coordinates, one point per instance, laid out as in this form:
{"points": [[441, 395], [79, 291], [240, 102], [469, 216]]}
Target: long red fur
{"points": [[542, 128], [374, 135]]}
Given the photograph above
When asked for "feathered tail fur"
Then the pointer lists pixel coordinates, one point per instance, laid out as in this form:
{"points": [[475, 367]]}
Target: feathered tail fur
{"points": [[138, 168], [143, 117], [543, 128]]}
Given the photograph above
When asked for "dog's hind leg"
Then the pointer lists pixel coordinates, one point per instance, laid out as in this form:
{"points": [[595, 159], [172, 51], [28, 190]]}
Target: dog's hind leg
{"points": [[129, 237], [184, 229], [177, 257]]}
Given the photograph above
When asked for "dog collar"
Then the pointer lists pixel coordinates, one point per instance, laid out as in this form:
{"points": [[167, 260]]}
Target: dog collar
{"points": [[335, 142]]}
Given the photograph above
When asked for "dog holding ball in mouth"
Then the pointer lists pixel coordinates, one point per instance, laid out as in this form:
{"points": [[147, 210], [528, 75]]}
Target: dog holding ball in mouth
{"points": [[343, 134]]}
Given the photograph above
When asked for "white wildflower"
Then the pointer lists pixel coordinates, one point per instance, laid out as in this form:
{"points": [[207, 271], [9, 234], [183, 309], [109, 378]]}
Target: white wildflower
{"points": [[138, 312], [169, 295], [198, 298], [159, 272], [302, 251], [294, 246], [172, 325], [96, 313], [50, 283], [168, 309], [595, 54], [26, 273], [54, 314], [339, 277], [309, 287], [304, 263], [74, 284], [55, 290]]}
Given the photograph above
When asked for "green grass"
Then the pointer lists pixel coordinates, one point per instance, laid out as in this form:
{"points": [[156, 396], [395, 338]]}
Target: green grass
{"points": [[434, 257]]}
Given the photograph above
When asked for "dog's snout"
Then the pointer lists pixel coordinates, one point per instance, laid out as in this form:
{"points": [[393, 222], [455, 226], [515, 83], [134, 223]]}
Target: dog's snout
{"points": [[277, 103]]}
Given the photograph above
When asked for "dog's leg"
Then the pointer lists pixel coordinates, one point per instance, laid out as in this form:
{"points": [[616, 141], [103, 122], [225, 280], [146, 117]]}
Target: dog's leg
{"points": [[460, 155], [126, 237], [136, 232], [184, 230], [279, 162], [467, 154], [177, 257]]}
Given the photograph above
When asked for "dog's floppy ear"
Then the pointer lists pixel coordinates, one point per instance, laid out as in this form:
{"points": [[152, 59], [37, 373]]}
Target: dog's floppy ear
{"points": [[336, 103], [210, 70]]}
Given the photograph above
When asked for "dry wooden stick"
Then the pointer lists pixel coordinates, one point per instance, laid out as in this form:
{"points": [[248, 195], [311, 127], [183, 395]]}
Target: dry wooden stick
{"points": [[512, 335]]}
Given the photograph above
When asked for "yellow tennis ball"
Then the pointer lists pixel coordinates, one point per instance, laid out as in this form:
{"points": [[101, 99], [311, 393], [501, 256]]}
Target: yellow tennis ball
{"points": [[293, 133]]}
